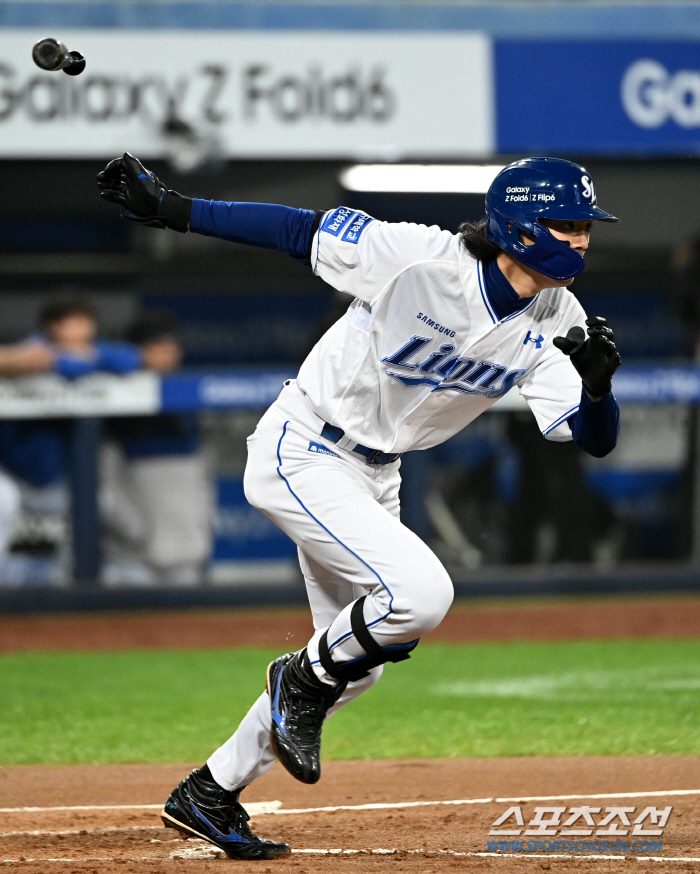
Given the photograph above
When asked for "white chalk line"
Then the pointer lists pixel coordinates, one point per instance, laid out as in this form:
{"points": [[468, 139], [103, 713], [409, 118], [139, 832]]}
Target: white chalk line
{"points": [[197, 854], [476, 854], [274, 808], [403, 804], [255, 808], [39, 833], [655, 794]]}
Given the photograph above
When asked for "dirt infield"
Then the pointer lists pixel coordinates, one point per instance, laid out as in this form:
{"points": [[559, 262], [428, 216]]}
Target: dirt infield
{"points": [[562, 619], [411, 830], [431, 837]]}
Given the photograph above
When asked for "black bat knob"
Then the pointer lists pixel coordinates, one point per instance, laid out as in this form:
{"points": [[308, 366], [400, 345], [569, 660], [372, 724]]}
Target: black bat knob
{"points": [[52, 55]]}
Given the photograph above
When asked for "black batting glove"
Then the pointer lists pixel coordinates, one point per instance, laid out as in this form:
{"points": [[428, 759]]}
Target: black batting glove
{"points": [[595, 357], [142, 196]]}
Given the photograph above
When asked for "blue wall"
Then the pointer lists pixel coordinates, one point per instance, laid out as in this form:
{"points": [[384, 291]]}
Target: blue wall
{"points": [[505, 19], [598, 97]]}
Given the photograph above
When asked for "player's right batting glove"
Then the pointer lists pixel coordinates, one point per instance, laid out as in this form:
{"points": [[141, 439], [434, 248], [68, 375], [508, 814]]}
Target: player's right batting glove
{"points": [[142, 196], [595, 357]]}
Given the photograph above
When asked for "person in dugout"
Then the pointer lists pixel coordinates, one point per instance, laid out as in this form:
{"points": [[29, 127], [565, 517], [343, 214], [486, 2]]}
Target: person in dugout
{"points": [[66, 343], [33, 451], [156, 496]]}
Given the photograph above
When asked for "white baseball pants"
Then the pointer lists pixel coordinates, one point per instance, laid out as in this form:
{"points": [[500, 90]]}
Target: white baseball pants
{"points": [[343, 514]]}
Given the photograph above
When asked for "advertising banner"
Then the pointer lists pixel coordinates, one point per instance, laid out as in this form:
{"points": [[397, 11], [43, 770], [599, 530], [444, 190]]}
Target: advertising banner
{"points": [[604, 97], [191, 95], [100, 394], [249, 94]]}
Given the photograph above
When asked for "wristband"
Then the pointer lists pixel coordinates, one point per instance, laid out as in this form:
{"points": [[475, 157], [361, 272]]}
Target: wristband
{"points": [[175, 209]]}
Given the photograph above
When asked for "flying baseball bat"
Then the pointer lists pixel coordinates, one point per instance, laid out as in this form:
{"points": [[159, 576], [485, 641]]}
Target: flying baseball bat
{"points": [[51, 54]]}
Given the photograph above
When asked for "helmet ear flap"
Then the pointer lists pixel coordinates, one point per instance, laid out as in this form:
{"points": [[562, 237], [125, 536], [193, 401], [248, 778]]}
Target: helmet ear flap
{"points": [[550, 257], [507, 233], [547, 255], [524, 233], [501, 230]]}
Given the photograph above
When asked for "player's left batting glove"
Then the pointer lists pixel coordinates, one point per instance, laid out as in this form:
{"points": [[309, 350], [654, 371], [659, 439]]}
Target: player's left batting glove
{"points": [[595, 357], [142, 196]]}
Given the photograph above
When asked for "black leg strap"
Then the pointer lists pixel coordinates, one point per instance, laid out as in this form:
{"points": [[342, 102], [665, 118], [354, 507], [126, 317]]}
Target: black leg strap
{"points": [[360, 630], [324, 655], [376, 655]]}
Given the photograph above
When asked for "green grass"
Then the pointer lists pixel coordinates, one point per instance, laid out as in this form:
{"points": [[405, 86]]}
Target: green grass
{"points": [[583, 698]]}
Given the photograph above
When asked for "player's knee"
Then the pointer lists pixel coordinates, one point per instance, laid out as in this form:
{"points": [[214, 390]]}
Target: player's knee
{"points": [[436, 601], [431, 598], [423, 600]]}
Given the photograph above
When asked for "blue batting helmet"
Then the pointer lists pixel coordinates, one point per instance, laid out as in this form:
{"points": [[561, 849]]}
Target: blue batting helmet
{"points": [[537, 188]]}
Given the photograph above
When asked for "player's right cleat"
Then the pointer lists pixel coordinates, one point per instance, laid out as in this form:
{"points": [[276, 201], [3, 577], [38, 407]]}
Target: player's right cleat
{"points": [[200, 808], [299, 702]]}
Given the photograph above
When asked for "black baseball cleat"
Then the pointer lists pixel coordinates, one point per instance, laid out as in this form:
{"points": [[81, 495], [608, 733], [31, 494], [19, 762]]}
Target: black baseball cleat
{"points": [[200, 808], [299, 703]]}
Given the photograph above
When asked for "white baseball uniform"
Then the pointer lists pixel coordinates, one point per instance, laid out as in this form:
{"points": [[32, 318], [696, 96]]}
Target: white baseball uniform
{"points": [[419, 354]]}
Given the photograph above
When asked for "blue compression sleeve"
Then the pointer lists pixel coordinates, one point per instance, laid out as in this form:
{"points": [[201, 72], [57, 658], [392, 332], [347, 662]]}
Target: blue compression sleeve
{"points": [[267, 225], [71, 367], [596, 424], [118, 358]]}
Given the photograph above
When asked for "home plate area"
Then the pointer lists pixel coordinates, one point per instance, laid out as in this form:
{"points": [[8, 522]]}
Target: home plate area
{"points": [[423, 815]]}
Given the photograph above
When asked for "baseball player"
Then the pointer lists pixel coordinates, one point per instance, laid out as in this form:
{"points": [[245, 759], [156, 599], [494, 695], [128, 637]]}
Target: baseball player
{"points": [[441, 326]]}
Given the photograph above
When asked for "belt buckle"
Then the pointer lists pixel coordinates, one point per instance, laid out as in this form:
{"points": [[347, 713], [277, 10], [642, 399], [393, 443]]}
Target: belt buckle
{"points": [[374, 457]]}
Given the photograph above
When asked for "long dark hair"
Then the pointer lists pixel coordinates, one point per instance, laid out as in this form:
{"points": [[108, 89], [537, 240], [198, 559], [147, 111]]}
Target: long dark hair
{"points": [[476, 242]]}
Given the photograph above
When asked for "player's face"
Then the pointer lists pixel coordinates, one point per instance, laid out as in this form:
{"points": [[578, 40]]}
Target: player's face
{"points": [[162, 355], [574, 234], [75, 331]]}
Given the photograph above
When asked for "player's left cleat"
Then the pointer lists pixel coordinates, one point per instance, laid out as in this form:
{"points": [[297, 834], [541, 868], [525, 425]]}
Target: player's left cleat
{"points": [[299, 702], [200, 808]]}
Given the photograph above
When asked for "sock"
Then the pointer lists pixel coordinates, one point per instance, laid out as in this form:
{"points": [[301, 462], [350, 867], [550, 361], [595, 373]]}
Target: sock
{"points": [[207, 775]]}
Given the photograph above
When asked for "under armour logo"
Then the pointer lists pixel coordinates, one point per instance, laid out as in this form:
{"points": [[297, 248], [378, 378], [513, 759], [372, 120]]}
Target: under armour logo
{"points": [[538, 341]]}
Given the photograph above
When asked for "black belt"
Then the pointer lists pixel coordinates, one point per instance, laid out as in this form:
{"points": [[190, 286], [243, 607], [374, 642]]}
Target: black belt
{"points": [[372, 456]]}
